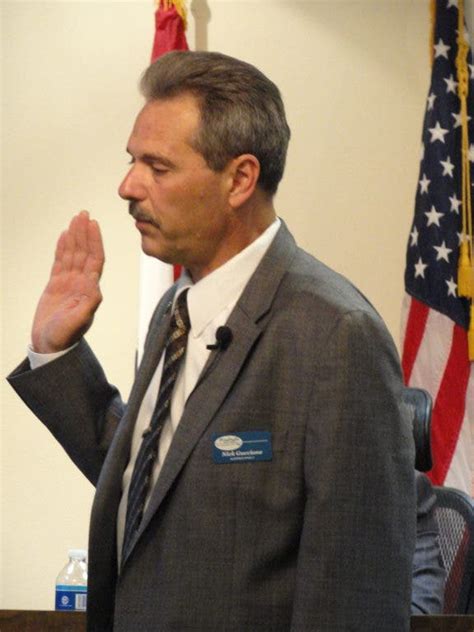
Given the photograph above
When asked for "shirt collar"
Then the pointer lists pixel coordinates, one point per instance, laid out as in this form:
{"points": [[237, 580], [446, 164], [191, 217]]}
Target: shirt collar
{"points": [[222, 288]]}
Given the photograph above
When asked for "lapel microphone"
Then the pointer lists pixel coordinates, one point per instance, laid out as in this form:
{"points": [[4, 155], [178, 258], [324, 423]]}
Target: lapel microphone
{"points": [[223, 339]]}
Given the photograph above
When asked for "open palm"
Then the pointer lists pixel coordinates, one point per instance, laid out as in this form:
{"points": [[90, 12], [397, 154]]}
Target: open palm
{"points": [[67, 306]]}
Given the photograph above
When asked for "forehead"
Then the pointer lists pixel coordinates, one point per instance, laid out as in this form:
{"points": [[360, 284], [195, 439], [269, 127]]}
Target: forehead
{"points": [[172, 121]]}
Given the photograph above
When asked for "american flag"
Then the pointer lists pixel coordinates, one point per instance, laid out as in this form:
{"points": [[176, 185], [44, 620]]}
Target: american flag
{"points": [[435, 319]]}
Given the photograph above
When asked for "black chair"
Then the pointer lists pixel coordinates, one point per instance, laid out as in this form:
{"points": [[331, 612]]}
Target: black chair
{"points": [[420, 402], [455, 515]]}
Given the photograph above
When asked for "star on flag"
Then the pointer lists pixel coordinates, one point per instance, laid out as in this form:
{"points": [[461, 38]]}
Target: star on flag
{"points": [[437, 133], [441, 49], [433, 217], [448, 167], [443, 252]]}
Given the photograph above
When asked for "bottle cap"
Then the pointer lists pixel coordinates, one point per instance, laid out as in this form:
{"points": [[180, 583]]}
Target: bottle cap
{"points": [[77, 554]]}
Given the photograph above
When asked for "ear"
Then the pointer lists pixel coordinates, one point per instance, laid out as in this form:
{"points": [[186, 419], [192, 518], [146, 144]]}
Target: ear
{"points": [[244, 172]]}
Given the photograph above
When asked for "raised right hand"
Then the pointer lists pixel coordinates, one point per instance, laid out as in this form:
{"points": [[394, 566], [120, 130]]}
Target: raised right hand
{"points": [[67, 306]]}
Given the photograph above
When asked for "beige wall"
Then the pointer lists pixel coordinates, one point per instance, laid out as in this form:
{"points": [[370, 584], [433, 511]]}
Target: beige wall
{"points": [[354, 76]]}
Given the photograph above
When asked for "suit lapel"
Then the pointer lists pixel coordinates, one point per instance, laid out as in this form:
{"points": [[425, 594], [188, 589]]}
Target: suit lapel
{"points": [[201, 407], [109, 486], [222, 368], [154, 346]]}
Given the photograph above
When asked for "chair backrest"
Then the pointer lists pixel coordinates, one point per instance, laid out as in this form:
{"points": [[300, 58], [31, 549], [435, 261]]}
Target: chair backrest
{"points": [[421, 403], [455, 515]]}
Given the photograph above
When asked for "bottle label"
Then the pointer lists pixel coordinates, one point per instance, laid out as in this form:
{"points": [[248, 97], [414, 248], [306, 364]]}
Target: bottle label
{"points": [[71, 597]]}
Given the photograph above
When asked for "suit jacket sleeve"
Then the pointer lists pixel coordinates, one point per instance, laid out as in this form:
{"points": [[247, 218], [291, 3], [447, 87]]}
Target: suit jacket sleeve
{"points": [[356, 550], [429, 575], [72, 397]]}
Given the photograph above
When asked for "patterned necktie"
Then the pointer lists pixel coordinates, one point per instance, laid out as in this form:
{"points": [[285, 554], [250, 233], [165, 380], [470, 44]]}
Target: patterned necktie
{"points": [[142, 471]]}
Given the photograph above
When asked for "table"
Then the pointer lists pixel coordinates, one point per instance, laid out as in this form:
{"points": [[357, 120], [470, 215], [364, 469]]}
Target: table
{"points": [[42, 621], [442, 623], [51, 621]]}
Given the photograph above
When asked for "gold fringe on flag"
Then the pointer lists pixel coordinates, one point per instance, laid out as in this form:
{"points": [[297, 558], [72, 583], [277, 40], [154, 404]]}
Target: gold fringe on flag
{"points": [[180, 6], [470, 334], [465, 265]]}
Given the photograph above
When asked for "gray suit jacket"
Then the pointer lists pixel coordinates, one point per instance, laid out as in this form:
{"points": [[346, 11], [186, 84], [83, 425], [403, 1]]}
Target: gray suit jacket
{"points": [[321, 537]]}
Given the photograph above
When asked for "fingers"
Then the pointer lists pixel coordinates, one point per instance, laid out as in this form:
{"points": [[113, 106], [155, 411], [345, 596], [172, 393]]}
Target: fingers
{"points": [[80, 248], [73, 253], [96, 257], [69, 242], [59, 255], [79, 228]]}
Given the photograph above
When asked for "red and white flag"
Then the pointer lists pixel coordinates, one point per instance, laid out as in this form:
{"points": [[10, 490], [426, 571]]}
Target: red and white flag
{"points": [[155, 276]]}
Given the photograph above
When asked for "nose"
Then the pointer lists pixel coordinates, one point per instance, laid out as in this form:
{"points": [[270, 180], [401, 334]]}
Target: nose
{"points": [[131, 187]]}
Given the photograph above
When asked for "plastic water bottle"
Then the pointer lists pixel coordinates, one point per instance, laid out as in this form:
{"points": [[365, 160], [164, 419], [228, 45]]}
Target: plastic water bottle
{"points": [[71, 583]]}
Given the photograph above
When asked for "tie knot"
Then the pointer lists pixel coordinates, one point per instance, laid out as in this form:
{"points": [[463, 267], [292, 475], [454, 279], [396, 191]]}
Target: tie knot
{"points": [[181, 314]]}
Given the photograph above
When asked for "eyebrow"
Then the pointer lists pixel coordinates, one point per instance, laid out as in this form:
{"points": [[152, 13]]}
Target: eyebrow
{"points": [[151, 158]]}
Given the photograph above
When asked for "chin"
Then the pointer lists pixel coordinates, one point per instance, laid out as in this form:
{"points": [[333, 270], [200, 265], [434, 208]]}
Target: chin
{"points": [[152, 249], [152, 252]]}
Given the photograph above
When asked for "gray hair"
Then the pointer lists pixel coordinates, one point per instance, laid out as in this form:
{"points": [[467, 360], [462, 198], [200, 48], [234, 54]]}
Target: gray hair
{"points": [[241, 110]]}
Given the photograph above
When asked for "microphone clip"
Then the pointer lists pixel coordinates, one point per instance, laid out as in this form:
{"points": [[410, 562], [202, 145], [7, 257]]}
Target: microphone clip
{"points": [[224, 337]]}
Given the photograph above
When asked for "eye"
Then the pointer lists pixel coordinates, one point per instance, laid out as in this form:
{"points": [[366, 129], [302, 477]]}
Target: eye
{"points": [[159, 170]]}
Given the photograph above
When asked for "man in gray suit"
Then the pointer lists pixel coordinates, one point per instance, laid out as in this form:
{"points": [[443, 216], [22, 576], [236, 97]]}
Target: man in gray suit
{"points": [[280, 494]]}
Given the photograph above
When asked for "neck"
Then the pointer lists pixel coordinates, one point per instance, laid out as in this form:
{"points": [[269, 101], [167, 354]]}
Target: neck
{"points": [[247, 224]]}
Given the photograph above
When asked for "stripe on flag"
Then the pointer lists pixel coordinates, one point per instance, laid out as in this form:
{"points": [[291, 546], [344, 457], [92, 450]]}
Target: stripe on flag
{"points": [[439, 364]]}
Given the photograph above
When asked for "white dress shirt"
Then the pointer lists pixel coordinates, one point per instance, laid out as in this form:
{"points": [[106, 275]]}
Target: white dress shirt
{"points": [[210, 302]]}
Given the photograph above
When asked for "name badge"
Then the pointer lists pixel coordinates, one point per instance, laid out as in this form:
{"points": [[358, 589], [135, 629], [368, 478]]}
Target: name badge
{"points": [[242, 447]]}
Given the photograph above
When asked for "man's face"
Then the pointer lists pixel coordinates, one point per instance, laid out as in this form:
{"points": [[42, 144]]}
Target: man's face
{"points": [[179, 204]]}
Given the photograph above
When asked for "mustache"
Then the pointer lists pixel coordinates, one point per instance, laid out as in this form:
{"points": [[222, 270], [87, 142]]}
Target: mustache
{"points": [[139, 214]]}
